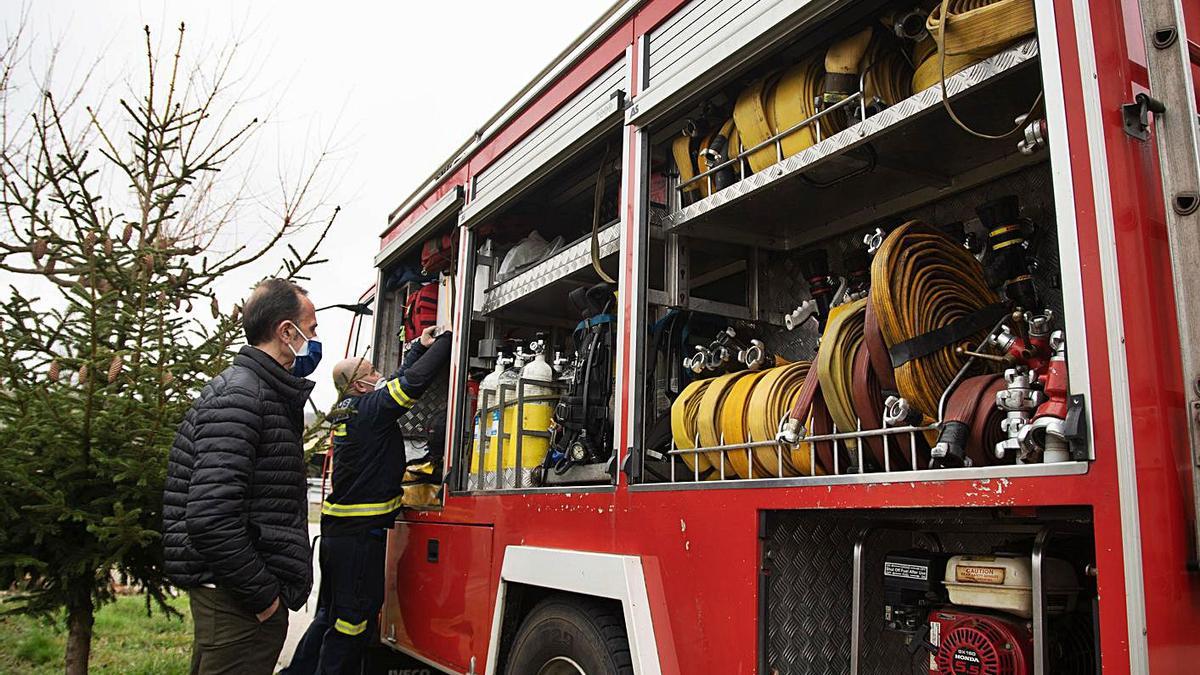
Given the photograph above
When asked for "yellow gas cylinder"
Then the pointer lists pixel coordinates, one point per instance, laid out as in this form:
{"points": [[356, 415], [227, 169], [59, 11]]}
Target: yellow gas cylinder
{"points": [[485, 448], [528, 420]]}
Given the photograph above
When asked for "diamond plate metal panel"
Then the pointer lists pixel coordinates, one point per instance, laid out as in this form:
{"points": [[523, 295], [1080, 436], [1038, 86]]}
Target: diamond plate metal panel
{"points": [[782, 288], [810, 555], [856, 135], [507, 480], [429, 410], [571, 259], [808, 597]]}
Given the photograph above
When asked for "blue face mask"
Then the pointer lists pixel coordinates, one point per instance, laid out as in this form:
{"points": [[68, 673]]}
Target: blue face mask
{"points": [[307, 357]]}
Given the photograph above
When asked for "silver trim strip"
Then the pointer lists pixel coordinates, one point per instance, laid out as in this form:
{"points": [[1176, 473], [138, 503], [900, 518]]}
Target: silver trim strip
{"points": [[614, 17], [419, 228], [1131, 543], [895, 477], [628, 285], [573, 489], [1062, 182]]}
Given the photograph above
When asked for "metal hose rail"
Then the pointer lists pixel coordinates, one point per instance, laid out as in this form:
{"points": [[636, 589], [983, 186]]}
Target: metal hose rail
{"points": [[929, 295]]}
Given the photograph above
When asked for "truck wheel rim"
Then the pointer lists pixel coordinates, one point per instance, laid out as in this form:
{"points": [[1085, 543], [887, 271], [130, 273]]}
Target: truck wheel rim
{"points": [[561, 665]]}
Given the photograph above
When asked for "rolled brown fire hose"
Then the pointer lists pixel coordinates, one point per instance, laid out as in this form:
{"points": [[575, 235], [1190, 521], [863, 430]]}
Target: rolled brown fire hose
{"points": [[869, 394], [929, 295], [972, 424]]}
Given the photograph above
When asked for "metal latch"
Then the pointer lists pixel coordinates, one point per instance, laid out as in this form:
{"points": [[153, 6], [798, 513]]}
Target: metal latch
{"points": [[1075, 427], [1136, 115]]}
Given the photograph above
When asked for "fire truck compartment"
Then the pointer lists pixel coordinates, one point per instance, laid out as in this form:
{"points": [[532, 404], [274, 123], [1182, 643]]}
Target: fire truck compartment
{"points": [[862, 591], [444, 566], [537, 301], [770, 193]]}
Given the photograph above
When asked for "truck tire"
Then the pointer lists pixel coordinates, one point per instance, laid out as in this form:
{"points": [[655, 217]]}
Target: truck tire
{"points": [[571, 635]]}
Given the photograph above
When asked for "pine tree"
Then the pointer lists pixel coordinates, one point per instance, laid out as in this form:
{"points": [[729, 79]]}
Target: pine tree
{"points": [[115, 223]]}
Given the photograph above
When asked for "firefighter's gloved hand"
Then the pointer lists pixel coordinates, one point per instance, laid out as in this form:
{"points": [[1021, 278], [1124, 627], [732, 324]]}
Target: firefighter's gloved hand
{"points": [[430, 366], [427, 336]]}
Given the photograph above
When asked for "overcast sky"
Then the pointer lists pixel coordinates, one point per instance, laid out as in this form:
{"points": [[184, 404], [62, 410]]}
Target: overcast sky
{"points": [[398, 86]]}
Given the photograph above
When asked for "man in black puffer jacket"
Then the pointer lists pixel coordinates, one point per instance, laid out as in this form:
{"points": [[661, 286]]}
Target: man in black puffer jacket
{"points": [[235, 520]]}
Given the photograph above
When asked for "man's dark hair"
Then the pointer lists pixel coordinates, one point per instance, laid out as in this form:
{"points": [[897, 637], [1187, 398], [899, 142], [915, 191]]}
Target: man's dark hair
{"points": [[272, 302]]}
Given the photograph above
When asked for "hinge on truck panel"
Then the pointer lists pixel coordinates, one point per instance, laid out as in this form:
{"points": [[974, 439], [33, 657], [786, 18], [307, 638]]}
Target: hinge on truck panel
{"points": [[1136, 115]]}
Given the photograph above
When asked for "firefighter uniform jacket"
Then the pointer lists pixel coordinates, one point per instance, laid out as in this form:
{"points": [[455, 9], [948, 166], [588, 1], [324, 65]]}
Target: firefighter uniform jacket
{"points": [[368, 446]]}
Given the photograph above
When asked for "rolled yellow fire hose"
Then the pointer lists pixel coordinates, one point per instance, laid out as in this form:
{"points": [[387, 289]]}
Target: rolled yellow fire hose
{"points": [[967, 31], [735, 416], [843, 67], [979, 27], [887, 74], [685, 163], [835, 363], [683, 424], [750, 115], [793, 100], [772, 398], [704, 162], [928, 289], [709, 419]]}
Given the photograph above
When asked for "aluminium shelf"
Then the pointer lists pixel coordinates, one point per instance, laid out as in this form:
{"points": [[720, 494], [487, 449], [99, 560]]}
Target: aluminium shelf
{"points": [[574, 258], [899, 136]]}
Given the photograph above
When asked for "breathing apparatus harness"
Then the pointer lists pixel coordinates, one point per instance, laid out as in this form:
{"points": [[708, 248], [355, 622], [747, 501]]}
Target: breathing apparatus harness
{"points": [[582, 429]]}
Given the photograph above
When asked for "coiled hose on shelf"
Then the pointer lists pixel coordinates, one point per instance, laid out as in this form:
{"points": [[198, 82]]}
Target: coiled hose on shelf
{"points": [[929, 296]]}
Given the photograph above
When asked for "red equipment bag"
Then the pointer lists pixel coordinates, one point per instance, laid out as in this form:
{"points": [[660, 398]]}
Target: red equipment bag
{"points": [[437, 254], [420, 311]]}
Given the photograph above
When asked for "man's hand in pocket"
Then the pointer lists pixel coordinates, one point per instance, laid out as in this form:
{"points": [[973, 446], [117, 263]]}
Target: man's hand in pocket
{"points": [[268, 612]]}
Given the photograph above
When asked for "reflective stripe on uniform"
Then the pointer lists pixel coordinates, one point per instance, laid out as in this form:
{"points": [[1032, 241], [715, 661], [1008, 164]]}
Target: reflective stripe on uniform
{"points": [[349, 628], [350, 510], [339, 430], [393, 387]]}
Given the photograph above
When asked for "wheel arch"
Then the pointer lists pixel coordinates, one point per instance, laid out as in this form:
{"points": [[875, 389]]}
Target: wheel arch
{"points": [[530, 573]]}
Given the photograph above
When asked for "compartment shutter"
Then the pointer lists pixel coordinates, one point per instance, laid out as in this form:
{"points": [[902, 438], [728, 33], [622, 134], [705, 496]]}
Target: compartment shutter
{"points": [[579, 121]]}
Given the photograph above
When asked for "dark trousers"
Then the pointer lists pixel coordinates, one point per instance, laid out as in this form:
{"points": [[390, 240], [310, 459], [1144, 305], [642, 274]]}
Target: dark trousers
{"points": [[348, 603], [229, 638]]}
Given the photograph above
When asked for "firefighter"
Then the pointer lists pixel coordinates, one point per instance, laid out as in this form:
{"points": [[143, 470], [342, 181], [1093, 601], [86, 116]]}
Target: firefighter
{"points": [[368, 467]]}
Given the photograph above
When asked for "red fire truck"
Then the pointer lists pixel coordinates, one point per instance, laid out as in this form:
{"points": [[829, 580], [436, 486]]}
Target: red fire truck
{"points": [[813, 336]]}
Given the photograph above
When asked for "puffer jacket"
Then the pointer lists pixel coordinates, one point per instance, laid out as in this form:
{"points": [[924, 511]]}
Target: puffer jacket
{"points": [[235, 512]]}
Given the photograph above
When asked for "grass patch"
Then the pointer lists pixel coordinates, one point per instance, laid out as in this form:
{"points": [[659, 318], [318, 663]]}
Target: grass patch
{"points": [[124, 641]]}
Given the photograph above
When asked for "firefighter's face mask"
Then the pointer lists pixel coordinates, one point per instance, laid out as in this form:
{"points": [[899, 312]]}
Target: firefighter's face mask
{"points": [[307, 356], [372, 382]]}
